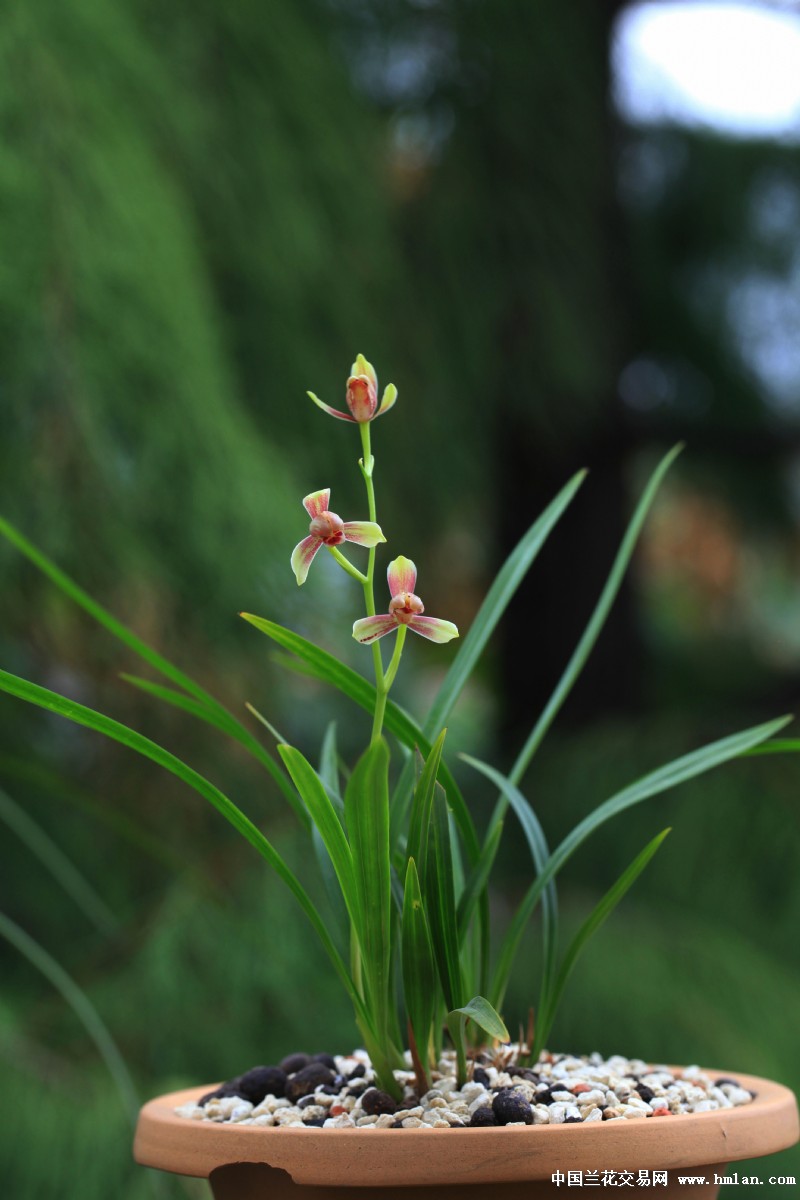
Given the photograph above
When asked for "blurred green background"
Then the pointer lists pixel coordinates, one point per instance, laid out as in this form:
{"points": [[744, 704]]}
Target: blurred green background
{"points": [[207, 208]]}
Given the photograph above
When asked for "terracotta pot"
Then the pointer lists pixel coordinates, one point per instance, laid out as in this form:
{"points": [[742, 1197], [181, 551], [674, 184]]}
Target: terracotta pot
{"points": [[245, 1162]]}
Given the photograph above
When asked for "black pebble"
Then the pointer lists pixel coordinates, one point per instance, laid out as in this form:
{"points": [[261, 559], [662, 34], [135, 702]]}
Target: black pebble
{"points": [[545, 1097], [732, 1082], [294, 1062], [358, 1072], [396, 1125], [306, 1101], [231, 1088], [481, 1076], [357, 1087], [307, 1080], [259, 1082], [374, 1103], [318, 1121], [524, 1073], [576, 1120], [511, 1106], [645, 1092], [482, 1117], [327, 1060], [329, 1090]]}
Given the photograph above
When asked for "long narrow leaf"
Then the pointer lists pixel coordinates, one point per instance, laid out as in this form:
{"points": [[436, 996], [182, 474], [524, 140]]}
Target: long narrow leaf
{"points": [[63, 870], [134, 643], [478, 878], [440, 903], [325, 667], [420, 985], [329, 760], [81, 1005], [326, 820], [598, 915], [226, 723], [101, 615], [366, 804], [540, 852], [53, 702], [596, 621], [776, 746], [419, 823], [497, 600], [662, 780]]}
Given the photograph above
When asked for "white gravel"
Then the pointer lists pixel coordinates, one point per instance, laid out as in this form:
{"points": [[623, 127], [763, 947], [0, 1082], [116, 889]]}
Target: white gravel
{"points": [[560, 1089]]}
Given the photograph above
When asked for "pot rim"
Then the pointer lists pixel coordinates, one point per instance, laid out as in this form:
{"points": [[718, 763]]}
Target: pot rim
{"points": [[388, 1157]]}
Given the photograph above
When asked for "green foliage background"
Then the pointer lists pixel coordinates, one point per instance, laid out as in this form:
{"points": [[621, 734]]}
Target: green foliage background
{"points": [[207, 208]]}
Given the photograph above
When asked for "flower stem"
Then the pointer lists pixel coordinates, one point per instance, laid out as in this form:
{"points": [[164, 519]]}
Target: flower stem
{"points": [[395, 663], [367, 465], [386, 683], [347, 566]]}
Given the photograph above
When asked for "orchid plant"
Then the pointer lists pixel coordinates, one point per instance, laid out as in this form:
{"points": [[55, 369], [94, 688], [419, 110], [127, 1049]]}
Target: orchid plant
{"points": [[406, 870]]}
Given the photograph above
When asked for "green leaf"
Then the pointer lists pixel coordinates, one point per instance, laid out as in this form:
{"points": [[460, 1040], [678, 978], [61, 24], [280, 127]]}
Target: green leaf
{"points": [[776, 746], [336, 907], [329, 760], [52, 702], [596, 621], [540, 852], [497, 600], [419, 823], [479, 1010], [420, 983], [666, 777], [323, 666], [366, 803], [478, 878], [63, 870], [599, 914], [134, 643], [225, 722], [81, 1005], [440, 903], [101, 615], [327, 823]]}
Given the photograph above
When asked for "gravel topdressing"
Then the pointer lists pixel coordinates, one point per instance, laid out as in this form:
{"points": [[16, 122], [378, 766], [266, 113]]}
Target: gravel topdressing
{"points": [[339, 1092]]}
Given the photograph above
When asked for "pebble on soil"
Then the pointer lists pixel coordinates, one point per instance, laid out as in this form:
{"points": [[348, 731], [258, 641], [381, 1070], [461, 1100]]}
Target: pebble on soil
{"points": [[325, 1091]]}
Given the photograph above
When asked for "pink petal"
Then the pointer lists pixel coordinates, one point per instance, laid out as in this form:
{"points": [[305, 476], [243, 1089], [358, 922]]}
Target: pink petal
{"points": [[363, 533], [369, 629], [402, 576], [317, 502], [389, 397], [433, 629], [332, 412], [303, 556]]}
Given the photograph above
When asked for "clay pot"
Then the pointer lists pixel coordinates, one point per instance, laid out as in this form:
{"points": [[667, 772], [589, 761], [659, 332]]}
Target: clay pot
{"points": [[245, 1162]]}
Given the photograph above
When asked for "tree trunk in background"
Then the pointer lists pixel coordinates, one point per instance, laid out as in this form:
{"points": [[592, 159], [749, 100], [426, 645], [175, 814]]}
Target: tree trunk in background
{"points": [[562, 333]]}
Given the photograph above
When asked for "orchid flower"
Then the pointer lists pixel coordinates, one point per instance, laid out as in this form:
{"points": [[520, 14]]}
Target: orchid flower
{"points": [[328, 529], [361, 395], [404, 609]]}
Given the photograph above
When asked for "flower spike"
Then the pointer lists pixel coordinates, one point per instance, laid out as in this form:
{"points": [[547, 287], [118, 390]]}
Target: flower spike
{"points": [[361, 395], [328, 529], [405, 608]]}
